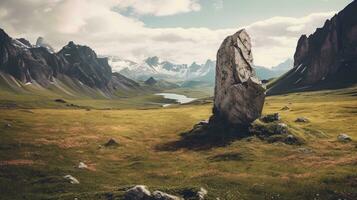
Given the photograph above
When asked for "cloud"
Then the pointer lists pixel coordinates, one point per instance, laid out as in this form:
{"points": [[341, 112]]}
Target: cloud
{"points": [[159, 7], [218, 4], [275, 39], [98, 25]]}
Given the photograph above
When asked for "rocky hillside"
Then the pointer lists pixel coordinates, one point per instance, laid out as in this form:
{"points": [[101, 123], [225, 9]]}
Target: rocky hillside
{"points": [[265, 73], [75, 66], [325, 59]]}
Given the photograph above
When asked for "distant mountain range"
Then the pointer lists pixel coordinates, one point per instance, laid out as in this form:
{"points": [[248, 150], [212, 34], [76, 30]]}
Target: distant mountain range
{"points": [[205, 73], [265, 73], [325, 59], [154, 67]]}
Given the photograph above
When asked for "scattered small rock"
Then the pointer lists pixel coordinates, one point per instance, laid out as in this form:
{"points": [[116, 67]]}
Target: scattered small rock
{"points": [[268, 129], [285, 108], [139, 192], [281, 128], [202, 193], [71, 179], [82, 165], [344, 138], [111, 143], [201, 123], [291, 139], [8, 125], [158, 195], [60, 101], [305, 150], [301, 120], [271, 118]]}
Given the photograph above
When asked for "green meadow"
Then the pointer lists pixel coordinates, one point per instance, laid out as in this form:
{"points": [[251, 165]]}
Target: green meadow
{"points": [[42, 141]]}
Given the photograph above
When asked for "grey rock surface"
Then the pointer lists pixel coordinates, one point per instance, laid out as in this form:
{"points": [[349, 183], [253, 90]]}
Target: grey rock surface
{"points": [[271, 118], [138, 192], [158, 195], [202, 193], [344, 138], [239, 95], [301, 120], [71, 179]]}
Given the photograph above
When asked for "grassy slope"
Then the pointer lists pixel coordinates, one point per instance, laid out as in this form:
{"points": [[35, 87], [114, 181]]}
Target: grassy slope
{"points": [[45, 144], [32, 96]]}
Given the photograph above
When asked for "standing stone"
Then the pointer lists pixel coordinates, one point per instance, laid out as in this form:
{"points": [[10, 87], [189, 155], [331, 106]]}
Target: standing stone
{"points": [[239, 95]]}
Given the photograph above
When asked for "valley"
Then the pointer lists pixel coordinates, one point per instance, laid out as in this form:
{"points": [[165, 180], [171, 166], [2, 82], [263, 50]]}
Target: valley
{"points": [[41, 145], [178, 100]]}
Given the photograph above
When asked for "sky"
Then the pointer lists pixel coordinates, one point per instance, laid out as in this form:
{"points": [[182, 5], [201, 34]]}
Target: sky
{"points": [[181, 31]]}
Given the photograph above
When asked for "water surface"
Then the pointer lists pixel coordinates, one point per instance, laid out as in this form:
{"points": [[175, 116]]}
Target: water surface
{"points": [[177, 97]]}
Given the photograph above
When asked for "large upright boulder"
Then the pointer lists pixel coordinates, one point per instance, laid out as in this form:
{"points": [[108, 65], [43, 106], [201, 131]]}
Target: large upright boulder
{"points": [[239, 95]]}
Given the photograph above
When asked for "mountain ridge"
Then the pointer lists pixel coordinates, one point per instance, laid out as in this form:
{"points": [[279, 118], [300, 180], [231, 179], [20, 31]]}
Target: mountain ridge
{"points": [[325, 59], [75, 66]]}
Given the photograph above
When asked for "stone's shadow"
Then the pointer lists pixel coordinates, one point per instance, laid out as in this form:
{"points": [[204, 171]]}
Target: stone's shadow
{"points": [[208, 135], [204, 137]]}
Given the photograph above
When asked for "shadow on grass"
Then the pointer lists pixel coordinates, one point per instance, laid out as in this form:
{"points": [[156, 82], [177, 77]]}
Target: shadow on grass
{"points": [[208, 136], [204, 138]]}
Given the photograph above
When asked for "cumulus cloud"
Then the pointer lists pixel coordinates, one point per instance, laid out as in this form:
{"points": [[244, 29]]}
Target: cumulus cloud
{"points": [[99, 25], [159, 7], [218, 4], [275, 39]]}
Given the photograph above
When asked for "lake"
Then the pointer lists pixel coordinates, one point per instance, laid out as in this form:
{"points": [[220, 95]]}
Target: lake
{"points": [[177, 97]]}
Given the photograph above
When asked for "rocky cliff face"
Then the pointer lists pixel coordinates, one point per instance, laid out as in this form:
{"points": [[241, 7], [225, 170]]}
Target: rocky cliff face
{"points": [[326, 58], [239, 95], [35, 63], [82, 63], [41, 42]]}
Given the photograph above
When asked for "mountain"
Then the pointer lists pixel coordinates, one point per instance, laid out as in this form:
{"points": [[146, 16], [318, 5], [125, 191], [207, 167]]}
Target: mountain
{"points": [[41, 42], [154, 67], [193, 75], [265, 73], [160, 84], [74, 69], [325, 59], [150, 81]]}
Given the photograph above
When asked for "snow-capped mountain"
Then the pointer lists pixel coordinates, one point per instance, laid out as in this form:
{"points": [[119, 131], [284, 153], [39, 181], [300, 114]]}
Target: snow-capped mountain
{"points": [[154, 67], [25, 45], [275, 71]]}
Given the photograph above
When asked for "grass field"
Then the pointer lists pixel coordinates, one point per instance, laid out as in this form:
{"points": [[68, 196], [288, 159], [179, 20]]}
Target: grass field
{"points": [[43, 144]]}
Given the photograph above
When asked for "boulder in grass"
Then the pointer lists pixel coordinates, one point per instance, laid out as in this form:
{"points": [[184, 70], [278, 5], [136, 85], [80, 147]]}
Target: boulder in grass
{"points": [[271, 118], [158, 195], [301, 120], [71, 179], [344, 138], [60, 101], [111, 143], [285, 108], [202, 193], [82, 165], [281, 128], [138, 192], [239, 95]]}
